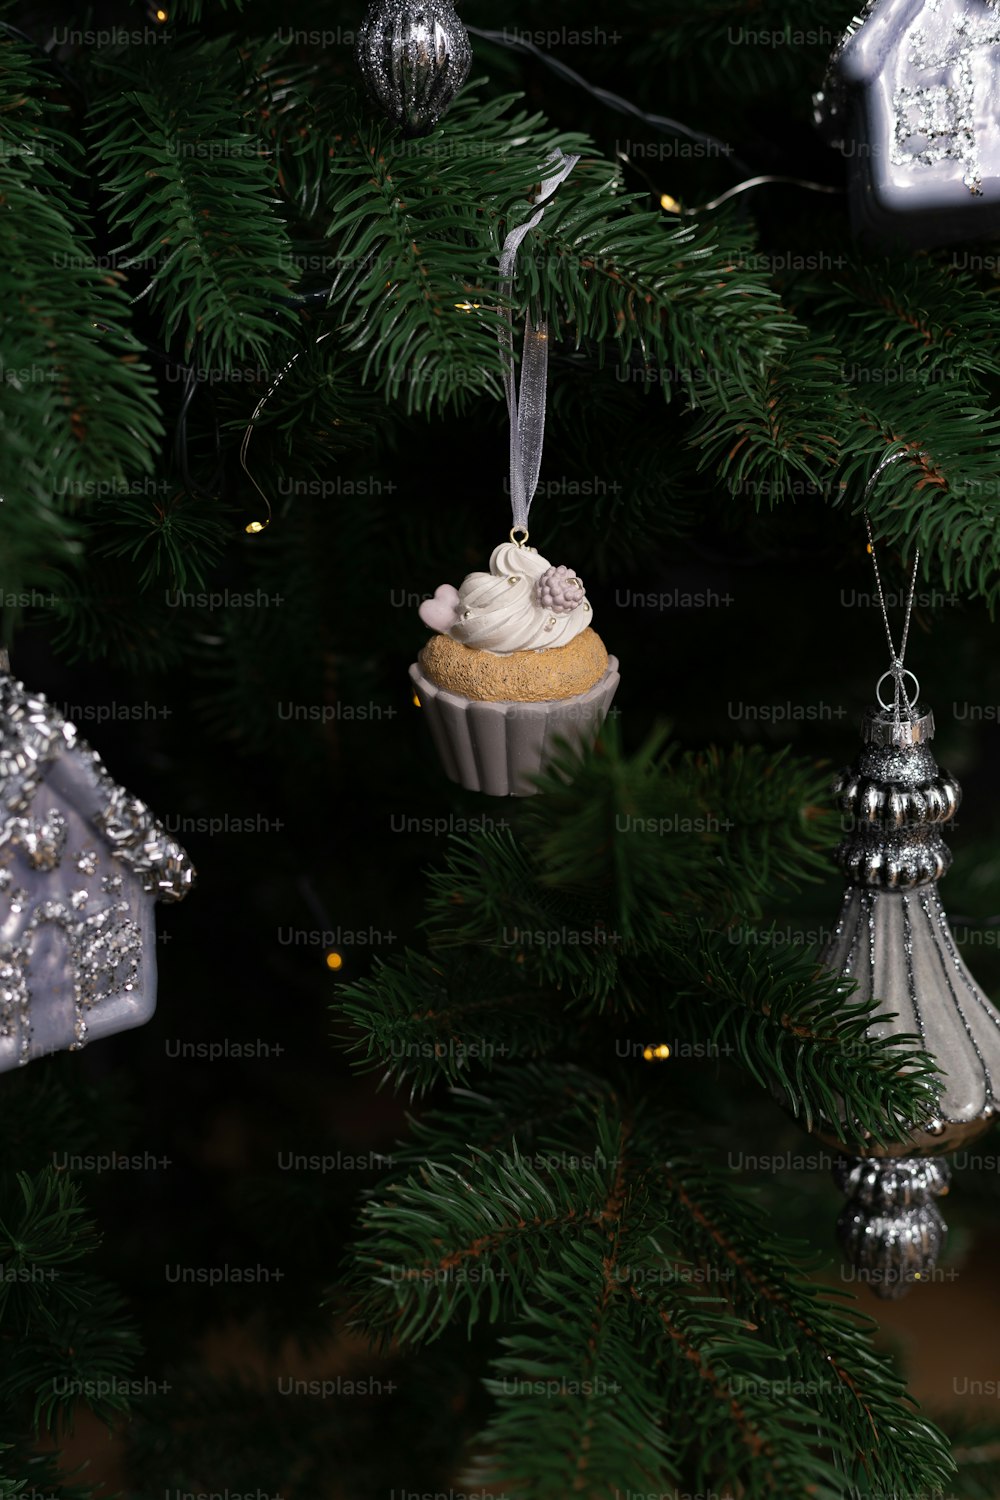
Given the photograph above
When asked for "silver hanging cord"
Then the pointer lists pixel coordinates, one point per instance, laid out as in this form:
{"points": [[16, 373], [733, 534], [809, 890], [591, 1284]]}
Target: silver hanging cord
{"points": [[896, 669]]}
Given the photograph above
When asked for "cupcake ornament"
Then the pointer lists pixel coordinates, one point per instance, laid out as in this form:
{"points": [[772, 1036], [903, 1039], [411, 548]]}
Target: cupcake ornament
{"points": [[514, 665]]}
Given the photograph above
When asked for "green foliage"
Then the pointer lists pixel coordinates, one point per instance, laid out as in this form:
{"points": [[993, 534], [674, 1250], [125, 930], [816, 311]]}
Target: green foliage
{"points": [[216, 220], [799, 1034], [573, 1216], [548, 940], [975, 1443], [942, 496], [704, 831], [785, 423], [417, 243], [194, 195], [419, 273], [74, 1340], [170, 538], [77, 410], [918, 313]]}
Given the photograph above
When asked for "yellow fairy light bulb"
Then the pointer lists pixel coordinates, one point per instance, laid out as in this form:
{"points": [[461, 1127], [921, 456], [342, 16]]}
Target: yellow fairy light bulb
{"points": [[670, 204], [416, 701], [334, 960], [659, 1053], [160, 15], [466, 306], [256, 526]]}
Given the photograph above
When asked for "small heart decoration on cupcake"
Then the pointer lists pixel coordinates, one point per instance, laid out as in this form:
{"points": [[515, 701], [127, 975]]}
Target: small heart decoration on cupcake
{"points": [[441, 612]]}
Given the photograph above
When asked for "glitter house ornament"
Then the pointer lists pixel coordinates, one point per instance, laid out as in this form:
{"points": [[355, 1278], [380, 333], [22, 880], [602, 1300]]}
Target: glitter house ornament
{"points": [[913, 99], [81, 864], [414, 56], [894, 941]]}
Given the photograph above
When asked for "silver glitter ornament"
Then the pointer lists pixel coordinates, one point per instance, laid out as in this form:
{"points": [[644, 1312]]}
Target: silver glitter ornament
{"points": [[894, 941], [414, 56], [911, 98], [891, 1229], [81, 864]]}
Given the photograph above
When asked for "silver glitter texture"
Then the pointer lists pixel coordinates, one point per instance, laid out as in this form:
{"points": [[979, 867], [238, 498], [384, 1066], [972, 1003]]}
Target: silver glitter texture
{"points": [[42, 840], [81, 863], [897, 798], [140, 842], [893, 860], [943, 114], [891, 1228], [879, 800], [910, 99], [830, 111], [414, 56]]}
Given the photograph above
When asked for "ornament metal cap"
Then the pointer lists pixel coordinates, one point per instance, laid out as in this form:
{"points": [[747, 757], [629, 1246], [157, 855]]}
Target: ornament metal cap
{"points": [[880, 726]]}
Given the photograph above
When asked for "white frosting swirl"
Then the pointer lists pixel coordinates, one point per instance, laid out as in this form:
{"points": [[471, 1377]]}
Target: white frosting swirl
{"points": [[499, 610]]}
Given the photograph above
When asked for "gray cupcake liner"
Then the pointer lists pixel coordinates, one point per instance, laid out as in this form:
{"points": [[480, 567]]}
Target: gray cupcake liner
{"points": [[496, 747]]}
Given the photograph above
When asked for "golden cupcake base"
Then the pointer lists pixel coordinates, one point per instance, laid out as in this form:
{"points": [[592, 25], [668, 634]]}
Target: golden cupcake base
{"points": [[554, 672]]}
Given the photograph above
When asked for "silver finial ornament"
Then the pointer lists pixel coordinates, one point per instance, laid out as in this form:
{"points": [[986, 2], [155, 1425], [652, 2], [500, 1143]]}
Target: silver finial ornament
{"points": [[893, 940], [414, 56]]}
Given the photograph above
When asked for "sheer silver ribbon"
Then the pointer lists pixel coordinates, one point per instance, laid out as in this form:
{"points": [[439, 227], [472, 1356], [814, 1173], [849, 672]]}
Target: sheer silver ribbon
{"points": [[526, 408]]}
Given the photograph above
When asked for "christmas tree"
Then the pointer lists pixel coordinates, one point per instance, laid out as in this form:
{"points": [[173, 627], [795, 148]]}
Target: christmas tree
{"points": [[481, 1145]]}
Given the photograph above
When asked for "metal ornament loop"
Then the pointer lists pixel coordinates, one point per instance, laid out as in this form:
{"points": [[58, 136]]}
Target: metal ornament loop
{"points": [[898, 677], [523, 539]]}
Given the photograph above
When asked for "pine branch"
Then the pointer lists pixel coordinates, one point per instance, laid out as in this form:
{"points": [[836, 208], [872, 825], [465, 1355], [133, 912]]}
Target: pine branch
{"points": [[975, 1441], [591, 1381], [71, 1339], [942, 497], [423, 1019], [172, 537], [77, 408], [218, 255], [653, 833], [799, 1032], [914, 321], [583, 1243], [786, 418], [598, 267], [826, 1349], [534, 938], [103, 616], [683, 296], [414, 235]]}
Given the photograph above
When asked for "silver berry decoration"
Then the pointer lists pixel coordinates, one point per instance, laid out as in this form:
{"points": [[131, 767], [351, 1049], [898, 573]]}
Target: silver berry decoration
{"points": [[560, 590], [414, 56]]}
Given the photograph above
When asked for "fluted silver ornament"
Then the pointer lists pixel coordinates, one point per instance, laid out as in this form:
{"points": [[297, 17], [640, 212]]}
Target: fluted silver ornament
{"points": [[414, 56], [894, 941]]}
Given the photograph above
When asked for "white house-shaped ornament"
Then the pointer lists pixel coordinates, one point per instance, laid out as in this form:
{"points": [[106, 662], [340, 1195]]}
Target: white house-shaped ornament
{"points": [[81, 865], [913, 99]]}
